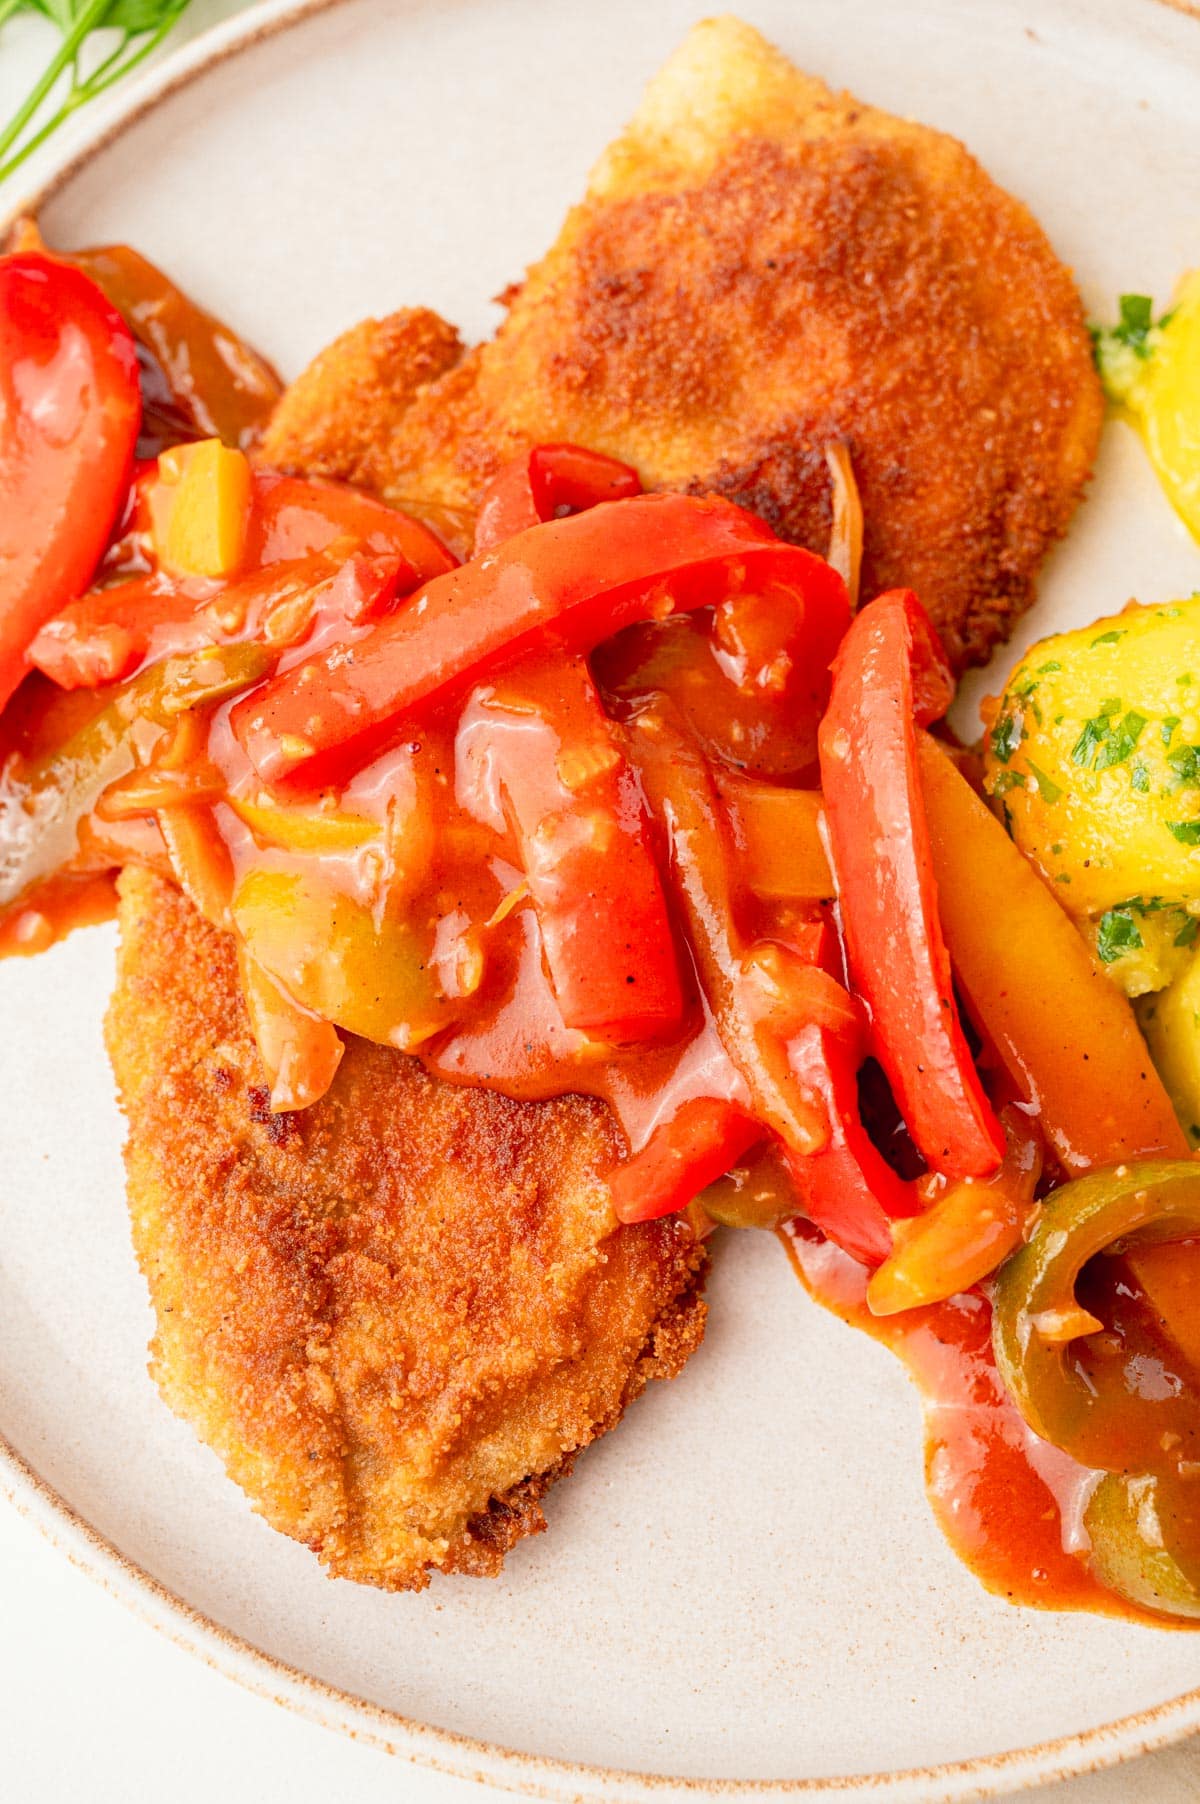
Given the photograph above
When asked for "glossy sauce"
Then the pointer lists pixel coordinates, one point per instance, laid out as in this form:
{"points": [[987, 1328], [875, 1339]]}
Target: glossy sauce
{"points": [[1010, 1505]]}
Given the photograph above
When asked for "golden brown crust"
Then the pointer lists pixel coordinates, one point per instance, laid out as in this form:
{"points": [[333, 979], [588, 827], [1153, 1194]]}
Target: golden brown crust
{"points": [[761, 266], [396, 1316], [332, 419]]}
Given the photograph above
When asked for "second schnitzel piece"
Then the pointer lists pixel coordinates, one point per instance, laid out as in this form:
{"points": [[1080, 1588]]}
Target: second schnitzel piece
{"points": [[759, 267], [396, 1315]]}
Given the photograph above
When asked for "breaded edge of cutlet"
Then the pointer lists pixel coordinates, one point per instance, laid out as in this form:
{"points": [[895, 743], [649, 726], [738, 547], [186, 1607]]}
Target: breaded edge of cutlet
{"points": [[164, 939]]}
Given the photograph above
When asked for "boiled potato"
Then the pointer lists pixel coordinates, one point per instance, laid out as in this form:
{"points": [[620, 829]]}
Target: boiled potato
{"points": [[1093, 757], [1153, 373], [1171, 1024]]}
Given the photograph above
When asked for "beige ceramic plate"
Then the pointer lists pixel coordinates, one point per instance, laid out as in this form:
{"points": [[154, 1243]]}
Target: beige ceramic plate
{"points": [[744, 1584]]}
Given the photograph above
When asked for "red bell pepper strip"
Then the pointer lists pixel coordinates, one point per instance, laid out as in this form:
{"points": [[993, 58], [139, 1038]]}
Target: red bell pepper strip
{"points": [[294, 516], [70, 407], [889, 673], [548, 483], [698, 1145], [541, 739], [296, 528], [570, 583], [848, 1188]]}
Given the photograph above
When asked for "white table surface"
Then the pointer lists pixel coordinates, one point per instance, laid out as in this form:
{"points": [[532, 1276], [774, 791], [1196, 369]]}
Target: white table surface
{"points": [[97, 1707]]}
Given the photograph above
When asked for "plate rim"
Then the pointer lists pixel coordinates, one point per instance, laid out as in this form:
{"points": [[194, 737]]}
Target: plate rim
{"points": [[331, 1706]]}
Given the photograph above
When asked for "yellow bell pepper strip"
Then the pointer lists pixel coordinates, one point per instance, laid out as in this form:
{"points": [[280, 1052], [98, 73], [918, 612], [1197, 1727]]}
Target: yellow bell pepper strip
{"points": [[300, 1051], [967, 1228], [305, 830], [1143, 1528], [1037, 1315], [778, 835], [540, 739], [890, 672], [1169, 1279], [334, 957], [69, 413], [548, 483], [699, 1144], [199, 859], [206, 527], [569, 583], [1065, 1034]]}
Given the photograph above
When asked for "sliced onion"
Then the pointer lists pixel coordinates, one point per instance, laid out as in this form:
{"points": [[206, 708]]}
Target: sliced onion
{"points": [[846, 534]]}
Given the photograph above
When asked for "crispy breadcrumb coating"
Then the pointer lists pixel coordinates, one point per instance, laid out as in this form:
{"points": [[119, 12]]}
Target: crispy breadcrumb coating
{"points": [[334, 417], [761, 266], [398, 1315]]}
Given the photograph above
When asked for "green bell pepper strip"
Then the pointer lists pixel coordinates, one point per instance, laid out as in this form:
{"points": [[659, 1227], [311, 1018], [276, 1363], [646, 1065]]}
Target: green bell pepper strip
{"points": [[43, 803], [1035, 1304], [1134, 1522]]}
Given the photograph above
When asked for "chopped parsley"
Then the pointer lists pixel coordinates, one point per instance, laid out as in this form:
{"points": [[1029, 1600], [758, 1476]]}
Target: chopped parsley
{"points": [[1006, 736], [1109, 638], [1048, 789], [1185, 762], [1134, 325], [1045, 669], [1139, 779], [1023, 688], [1120, 742], [1095, 732], [1170, 722], [1105, 741], [1186, 832], [1118, 934], [1120, 348], [1187, 933], [1006, 780]]}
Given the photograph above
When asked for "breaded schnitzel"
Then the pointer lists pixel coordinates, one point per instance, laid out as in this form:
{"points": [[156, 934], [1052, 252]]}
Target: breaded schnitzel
{"points": [[396, 1315], [761, 266]]}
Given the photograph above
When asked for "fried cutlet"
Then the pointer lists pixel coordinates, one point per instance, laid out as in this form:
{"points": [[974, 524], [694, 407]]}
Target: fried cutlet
{"points": [[398, 1315], [761, 266]]}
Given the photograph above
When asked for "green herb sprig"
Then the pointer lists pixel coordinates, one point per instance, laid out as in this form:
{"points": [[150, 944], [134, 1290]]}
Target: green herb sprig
{"points": [[140, 27]]}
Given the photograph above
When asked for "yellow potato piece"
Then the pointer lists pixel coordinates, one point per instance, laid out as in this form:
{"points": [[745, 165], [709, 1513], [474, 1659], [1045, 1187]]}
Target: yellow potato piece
{"points": [[1171, 1024], [1160, 391], [1093, 758]]}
